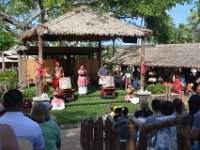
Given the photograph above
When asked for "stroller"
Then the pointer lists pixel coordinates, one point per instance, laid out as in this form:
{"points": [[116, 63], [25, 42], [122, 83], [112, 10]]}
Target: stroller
{"points": [[108, 87], [66, 89]]}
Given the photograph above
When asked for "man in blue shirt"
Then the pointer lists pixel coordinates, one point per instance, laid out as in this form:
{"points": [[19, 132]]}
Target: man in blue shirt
{"points": [[22, 125], [103, 71]]}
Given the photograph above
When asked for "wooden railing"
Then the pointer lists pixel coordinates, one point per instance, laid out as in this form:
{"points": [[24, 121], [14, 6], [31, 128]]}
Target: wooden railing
{"points": [[98, 136]]}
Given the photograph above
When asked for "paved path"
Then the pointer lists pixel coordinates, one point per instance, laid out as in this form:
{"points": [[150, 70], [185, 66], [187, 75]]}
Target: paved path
{"points": [[70, 139]]}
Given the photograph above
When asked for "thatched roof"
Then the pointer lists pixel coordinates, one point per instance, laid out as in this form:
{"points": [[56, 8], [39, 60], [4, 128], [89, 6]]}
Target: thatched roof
{"points": [[84, 24], [169, 55], [14, 50]]}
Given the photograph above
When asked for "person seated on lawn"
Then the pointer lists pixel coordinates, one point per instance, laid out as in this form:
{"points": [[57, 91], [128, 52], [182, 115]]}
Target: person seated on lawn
{"points": [[144, 111], [57, 103], [130, 97], [23, 126], [8, 140], [50, 129]]}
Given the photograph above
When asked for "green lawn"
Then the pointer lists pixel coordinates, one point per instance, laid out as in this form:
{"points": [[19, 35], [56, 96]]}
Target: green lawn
{"points": [[74, 114], [90, 106]]}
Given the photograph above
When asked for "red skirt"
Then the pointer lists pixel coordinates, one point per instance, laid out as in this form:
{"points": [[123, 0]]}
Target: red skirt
{"points": [[55, 83]]}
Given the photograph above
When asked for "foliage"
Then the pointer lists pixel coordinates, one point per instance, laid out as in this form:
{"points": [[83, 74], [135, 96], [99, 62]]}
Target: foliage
{"points": [[156, 89], [29, 93], [163, 29], [9, 78], [6, 40], [183, 34], [194, 21]]}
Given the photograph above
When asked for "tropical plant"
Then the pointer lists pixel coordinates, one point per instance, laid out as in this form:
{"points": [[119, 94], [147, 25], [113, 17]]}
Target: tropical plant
{"points": [[156, 89]]}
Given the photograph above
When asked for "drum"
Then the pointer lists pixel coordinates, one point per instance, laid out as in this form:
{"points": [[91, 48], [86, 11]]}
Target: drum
{"points": [[108, 81], [65, 83]]}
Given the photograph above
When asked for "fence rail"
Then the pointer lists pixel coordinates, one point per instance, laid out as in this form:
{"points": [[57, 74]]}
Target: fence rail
{"points": [[96, 135]]}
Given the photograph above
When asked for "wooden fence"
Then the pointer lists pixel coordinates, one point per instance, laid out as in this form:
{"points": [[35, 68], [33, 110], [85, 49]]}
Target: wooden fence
{"points": [[99, 135]]}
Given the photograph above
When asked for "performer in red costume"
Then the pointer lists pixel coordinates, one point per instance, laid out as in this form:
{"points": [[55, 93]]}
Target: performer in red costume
{"points": [[82, 80], [58, 73]]}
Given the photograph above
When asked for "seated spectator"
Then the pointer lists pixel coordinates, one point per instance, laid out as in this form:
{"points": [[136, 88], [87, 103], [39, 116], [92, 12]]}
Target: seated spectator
{"points": [[22, 125], [194, 108], [123, 128], [144, 110], [50, 129], [155, 104], [166, 137], [2, 110], [194, 104], [111, 113], [8, 140], [178, 106]]}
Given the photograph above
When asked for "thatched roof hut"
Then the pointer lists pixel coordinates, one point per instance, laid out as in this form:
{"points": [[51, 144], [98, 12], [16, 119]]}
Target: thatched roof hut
{"points": [[84, 24], [169, 55]]}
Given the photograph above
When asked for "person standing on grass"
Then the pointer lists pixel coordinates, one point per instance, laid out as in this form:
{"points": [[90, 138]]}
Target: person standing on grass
{"points": [[23, 126], [82, 81]]}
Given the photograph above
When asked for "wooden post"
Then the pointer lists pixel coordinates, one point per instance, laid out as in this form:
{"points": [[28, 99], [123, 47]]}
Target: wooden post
{"points": [[131, 136], [113, 47], [19, 70], [143, 138], [25, 68], [98, 134], [108, 127], [99, 54], [183, 132], [142, 61], [3, 62], [170, 93], [166, 92], [115, 139], [40, 58]]}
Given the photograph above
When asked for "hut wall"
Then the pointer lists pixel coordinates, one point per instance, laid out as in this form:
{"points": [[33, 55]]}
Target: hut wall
{"points": [[70, 68]]}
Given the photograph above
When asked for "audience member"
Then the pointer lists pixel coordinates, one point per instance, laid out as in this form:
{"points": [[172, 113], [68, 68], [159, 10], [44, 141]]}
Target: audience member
{"points": [[22, 125], [123, 128], [194, 108], [50, 129], [194, 104], [111, 113], [8, 140], [155, 104], [2, 110], [166, 137], [144, 110], [178, 106]]}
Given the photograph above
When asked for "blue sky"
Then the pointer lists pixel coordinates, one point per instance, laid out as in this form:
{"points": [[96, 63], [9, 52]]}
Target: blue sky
{"points": [[180, 13]]}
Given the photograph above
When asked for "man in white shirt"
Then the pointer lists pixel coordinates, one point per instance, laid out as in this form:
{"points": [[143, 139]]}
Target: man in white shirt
{"points": [[22, 125]]}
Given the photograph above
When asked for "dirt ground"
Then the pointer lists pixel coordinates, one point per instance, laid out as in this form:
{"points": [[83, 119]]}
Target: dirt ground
{"points": [[70, 139]]}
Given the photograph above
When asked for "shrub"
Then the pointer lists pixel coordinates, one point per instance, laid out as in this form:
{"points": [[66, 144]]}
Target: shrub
{"points": [[156, 89]]}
